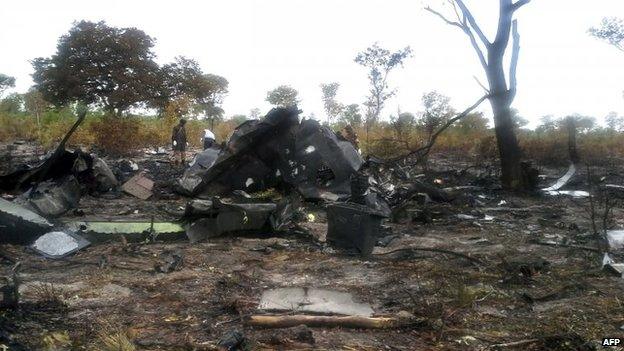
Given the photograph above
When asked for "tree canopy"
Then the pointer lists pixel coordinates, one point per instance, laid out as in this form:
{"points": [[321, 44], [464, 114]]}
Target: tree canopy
{"points": [[611, 30], [283, 96], [115, 68], [332, 107], [437, 111], [379, 62], [6, 82], [98, 64]]}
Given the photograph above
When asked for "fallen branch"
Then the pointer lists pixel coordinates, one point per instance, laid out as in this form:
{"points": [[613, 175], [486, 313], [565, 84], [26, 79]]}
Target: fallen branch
{"points": [[5, 255], [515, 343], [580, 247], [432, 249], [268, 321], [423, 151]]}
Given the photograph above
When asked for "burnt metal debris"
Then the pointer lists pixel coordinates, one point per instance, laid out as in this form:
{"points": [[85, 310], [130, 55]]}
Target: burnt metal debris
{"points": [[277, 151], [301, 159], [19, 225], [353, 226], [213, 218], [52, 199]]}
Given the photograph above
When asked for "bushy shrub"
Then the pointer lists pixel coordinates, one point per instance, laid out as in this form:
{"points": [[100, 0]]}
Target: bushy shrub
{"points": [[125, 136]]}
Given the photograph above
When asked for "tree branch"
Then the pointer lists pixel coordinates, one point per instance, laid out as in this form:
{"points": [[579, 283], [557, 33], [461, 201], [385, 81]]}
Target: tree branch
{"points": [[448, 21], [475, 45], [519, 4], [481, 84], [473, 23], [422, 151], [513, 67], [466, 29]]}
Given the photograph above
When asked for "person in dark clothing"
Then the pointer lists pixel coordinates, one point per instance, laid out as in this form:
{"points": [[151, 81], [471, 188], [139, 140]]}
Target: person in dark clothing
{"points": [[178, 141]]}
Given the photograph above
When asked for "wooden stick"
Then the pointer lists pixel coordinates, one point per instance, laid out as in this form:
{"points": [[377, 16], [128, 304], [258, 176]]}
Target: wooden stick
{"points": [[432, 249], [268, 321], [579, 247], [515, 343]]}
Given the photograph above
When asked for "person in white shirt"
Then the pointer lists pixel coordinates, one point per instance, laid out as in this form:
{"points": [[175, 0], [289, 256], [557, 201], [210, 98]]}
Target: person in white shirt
{"points": [[208, 139]]}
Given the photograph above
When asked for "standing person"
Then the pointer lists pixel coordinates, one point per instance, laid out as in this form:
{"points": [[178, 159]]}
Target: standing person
{"points": [[178, 141], [208, 139]]}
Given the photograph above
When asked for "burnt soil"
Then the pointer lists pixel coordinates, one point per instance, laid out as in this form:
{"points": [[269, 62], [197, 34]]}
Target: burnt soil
{"points": [[511, 289]]}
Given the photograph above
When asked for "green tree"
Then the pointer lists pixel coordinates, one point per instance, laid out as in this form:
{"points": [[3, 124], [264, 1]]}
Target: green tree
{"points": [[12, 104], [332, 107], [351, 115], [283, 96], [518, 120], [611, 30], [35, 104], [584, 124], [184, 77], [403, 124], [473, 123], [99, 65], [547, 125], [6, 82], [437, 111], [379, 62], [615, 122]]}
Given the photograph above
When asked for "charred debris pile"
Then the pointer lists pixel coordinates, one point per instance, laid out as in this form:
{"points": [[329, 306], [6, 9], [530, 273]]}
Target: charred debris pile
{"points": [[302, 161]]}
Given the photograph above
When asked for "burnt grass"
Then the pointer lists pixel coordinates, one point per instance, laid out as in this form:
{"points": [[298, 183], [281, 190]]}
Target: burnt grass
{"points": [[110, 297]]}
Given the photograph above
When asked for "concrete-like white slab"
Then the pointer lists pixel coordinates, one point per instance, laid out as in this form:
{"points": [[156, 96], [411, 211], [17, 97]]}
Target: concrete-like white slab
{"points": [[313, 300]]}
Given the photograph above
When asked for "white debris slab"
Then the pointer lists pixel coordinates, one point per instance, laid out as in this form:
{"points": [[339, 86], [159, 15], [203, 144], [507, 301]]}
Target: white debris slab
{"points": [[18, 211], [616, 239], [563, 180], [319, 301], [58, 244]]}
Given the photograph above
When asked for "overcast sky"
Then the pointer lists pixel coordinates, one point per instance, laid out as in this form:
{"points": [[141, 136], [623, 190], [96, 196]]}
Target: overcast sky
{"points": [[258, 45]]}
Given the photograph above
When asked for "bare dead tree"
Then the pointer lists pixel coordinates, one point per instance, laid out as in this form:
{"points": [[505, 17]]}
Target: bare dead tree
{"points": [[600, 209], [501, 93], [572, 150]]}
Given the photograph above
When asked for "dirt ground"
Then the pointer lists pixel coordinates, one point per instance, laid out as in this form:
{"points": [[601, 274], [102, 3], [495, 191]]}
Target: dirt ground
{"points": [[512, 291]]}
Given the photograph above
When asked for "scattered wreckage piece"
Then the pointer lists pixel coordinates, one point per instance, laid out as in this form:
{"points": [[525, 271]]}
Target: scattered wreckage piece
{"points": [[56, 165], [213, 218], [555, 189], [19, 225], [139, 186], [232, 340], [616, 239], [105, 179], [66, 163], [616, 269], [353, 226], [318, 308], [59, 244], [311, 300], [277, 150], [53, 199], [191, 179], [99, 232], [561, 182], [171, 260], [402, 194]]}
